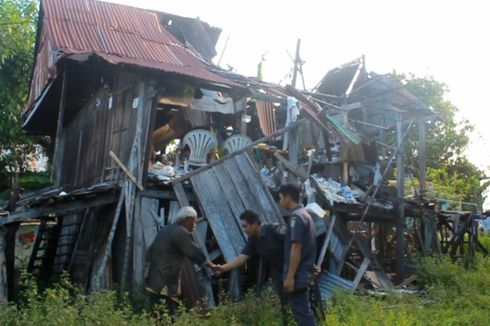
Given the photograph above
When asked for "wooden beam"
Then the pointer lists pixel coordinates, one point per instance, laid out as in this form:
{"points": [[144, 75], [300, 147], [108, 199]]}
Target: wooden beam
{"points": [[180, 193], [422, 158], [125, 169], [323, 251], [59, 140], [360, 273], [400, 185], [160, 194], [66, 208], [297, 62], [288, 165]]}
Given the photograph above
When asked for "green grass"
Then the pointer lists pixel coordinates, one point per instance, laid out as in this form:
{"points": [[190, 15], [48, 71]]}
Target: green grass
{"points": [[453, 295]]}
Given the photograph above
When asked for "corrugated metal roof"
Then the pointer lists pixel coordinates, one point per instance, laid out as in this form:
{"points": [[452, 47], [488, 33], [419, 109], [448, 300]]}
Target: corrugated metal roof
{"points": [[120, 34]]}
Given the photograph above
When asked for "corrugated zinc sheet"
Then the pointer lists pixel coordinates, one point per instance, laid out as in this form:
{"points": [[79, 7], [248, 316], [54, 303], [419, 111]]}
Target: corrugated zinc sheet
{"points": [[120, 34], [329, 282]]}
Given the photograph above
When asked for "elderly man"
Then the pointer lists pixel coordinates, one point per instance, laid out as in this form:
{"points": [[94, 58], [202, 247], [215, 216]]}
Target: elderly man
{"points": [[166, 255], [299, 258]]}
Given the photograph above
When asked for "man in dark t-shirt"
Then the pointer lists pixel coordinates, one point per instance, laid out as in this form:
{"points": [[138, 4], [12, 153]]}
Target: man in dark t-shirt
{"points": [[299, 255], [265, 241]]}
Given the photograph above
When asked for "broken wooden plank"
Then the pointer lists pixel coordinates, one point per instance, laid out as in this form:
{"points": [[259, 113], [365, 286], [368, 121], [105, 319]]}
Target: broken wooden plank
{"points": [[288, 165], [125, 169], [180, 194], [110, 237], [325, 244], [360, 273]]}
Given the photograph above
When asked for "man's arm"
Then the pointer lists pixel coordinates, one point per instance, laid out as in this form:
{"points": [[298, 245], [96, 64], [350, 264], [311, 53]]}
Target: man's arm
{"points": [[237, 262], [189, 248], [295, 257]]}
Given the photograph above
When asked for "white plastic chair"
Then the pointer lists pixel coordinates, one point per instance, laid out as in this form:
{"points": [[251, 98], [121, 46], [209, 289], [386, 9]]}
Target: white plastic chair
{"points": [[200, 142], [235, 143]]}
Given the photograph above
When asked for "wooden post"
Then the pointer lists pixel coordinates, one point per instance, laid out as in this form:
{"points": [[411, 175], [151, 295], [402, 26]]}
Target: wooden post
{"points": [[59, 141], [296, 63], [345, 173], [400, 221], [3, 266], [10, 260], [293, 135], [422, 158]]}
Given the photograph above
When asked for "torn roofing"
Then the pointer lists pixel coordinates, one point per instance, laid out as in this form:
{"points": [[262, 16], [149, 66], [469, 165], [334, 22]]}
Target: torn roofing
{"points": [[120, 34]]}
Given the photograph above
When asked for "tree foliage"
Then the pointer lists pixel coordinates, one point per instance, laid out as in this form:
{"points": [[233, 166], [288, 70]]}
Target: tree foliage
{"points": [[450, 174], [17, 38]]}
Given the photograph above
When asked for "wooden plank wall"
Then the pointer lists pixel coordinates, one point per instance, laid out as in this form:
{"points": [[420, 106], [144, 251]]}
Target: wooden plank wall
{"points": [[107, 122], [224, 192]]}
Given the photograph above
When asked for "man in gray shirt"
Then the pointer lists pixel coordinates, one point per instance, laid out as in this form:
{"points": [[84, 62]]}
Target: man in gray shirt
{"points": [[165, 257], [299, 257]]}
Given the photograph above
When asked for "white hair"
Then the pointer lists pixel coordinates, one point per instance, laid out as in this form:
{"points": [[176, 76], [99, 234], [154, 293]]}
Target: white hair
{"points": [[185, 212]]}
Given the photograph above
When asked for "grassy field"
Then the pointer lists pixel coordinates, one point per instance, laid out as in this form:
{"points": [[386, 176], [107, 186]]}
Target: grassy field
{"points": [[453, 296]]}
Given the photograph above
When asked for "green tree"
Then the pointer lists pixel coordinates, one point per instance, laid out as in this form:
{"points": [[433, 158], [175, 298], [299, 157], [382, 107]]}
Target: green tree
{"points": [[17, 37], [450, 174]]}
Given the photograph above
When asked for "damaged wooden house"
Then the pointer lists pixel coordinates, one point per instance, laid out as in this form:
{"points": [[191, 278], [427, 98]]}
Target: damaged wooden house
{"points": [[143, 123]]}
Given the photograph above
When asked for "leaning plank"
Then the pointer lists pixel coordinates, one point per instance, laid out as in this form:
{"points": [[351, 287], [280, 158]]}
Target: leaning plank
{"points": [[125, 169], [180, 193], [110, 238], [256, 188], [360, 273], [209, 194], [323, 251], [60, 209], [266, 190], [245, 195], [377, 268], [288, 165], [230, 193]]}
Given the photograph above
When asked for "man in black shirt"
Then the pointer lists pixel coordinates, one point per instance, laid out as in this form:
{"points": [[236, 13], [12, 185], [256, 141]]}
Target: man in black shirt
{"points": [[264, 240]]}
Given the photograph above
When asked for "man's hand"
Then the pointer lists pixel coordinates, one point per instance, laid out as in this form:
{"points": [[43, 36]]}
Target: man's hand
{"points": [[220, 269], [288, 285], [316, 270]]}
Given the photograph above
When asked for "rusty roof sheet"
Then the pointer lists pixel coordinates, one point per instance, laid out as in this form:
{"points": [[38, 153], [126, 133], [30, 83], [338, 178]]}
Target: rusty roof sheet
{"points": [[121, 34]]}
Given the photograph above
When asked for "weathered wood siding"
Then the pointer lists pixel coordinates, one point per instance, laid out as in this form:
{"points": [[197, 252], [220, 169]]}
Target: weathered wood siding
{"points": [[107, 122]]}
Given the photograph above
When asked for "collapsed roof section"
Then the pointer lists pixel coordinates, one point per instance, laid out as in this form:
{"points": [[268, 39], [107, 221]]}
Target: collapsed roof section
{"points": [[367, 102]]}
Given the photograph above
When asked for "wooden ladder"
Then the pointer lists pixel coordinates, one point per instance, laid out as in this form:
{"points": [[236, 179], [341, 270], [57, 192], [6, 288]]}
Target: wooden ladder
{"points": [[53, 247]]}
